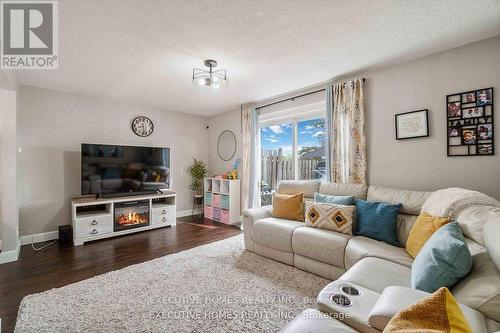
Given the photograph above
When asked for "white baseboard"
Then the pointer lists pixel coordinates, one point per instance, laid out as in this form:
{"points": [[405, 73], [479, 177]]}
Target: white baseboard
{"points": [[41, 237], [9, 256], [188, 212]]}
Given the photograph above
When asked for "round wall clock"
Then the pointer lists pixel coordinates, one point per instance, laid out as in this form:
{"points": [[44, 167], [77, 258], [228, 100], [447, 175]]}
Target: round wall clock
{"points": [[142, 126]]}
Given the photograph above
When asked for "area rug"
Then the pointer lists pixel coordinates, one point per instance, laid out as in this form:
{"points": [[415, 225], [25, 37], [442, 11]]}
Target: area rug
{"points": [[218, 287]]}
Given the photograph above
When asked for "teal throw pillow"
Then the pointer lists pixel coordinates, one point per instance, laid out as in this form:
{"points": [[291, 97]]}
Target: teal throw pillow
{"points": [[377, 220], [346, 200], [442, 261]]}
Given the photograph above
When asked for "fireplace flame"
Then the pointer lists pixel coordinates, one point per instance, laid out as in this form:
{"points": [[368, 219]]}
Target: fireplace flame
{"points": [[132, 218]]}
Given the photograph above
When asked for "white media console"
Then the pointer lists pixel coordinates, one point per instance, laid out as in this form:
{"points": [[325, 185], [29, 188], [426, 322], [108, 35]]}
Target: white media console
{"points": [[94, 219]]}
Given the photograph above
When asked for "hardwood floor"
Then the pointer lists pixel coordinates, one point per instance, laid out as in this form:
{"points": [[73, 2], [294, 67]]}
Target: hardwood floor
{"points": [[59, 265]]}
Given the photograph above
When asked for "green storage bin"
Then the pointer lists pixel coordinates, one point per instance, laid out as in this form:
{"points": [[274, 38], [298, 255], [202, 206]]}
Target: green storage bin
{"points": [[224, 201], [208, 198]]}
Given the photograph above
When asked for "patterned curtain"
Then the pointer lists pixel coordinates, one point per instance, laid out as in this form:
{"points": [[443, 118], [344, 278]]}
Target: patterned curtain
{"points": [[249, 159], [346, 129]]}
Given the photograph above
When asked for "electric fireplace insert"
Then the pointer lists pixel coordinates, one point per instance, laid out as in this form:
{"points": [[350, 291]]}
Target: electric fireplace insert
{"points": [[132, 214]]}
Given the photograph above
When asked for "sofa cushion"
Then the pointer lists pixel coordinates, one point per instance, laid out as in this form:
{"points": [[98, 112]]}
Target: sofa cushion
{"points": [[405, 223], [275, 233], [473, 219], [395, 298], [308, 187], [323, 245], [443, 260], [334, 199], [377, 274], [446, 315], [377, 220], [337, 218], [480, 289], [360, 247], [412, 201], [422, 230], [356, 190], [491, 237], [312, 320], [288, 206]]}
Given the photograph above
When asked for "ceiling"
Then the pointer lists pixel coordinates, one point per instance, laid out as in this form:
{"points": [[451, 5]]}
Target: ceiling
{"points": [[143, 52]]}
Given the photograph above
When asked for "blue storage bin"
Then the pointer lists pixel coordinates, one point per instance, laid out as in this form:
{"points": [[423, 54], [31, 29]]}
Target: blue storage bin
{"points": [[208, 198], [224, 201]]}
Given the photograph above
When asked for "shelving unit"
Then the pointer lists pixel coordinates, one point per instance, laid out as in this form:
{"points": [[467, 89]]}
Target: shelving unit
{"points": [[222, 200]]}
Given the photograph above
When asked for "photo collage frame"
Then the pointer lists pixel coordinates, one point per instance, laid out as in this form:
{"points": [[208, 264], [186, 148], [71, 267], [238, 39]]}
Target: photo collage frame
{"points": [[470, 123]]}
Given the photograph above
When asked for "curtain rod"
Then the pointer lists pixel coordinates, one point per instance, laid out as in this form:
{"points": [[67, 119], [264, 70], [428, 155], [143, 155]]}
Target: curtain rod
{"points": [[294, 97]]}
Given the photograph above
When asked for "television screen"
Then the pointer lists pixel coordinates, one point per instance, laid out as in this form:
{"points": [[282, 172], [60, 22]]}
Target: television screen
{"points": [[123, 169]]}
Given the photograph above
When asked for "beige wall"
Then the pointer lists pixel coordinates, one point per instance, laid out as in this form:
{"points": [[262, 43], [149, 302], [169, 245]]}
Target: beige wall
{"points": [[9, 213], [421, 164], [217, 124], [423, 84], [53, 125]]}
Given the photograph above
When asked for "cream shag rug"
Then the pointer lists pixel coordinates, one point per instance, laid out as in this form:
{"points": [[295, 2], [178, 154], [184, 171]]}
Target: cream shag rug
{"points": [[217, 287]]}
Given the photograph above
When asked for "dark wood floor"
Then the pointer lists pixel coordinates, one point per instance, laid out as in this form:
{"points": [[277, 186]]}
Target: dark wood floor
{"points": [[59, 265]]}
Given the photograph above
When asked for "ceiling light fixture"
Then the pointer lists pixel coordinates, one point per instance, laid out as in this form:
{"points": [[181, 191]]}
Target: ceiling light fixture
{"points": [[210, 78]]}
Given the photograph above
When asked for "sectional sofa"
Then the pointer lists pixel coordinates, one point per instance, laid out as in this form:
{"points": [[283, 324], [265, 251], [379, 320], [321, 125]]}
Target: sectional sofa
{"points": [[379, 273]]}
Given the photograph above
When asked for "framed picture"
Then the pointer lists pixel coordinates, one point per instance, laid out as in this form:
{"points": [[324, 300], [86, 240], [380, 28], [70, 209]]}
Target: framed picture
{"points": [[469, 136], [413, 124], [454, 110], [484, 97], [470, 123], [472, 112]]}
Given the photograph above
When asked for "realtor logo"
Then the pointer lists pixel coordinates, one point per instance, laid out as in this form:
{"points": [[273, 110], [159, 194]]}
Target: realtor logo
{"points": [[29, 35]]}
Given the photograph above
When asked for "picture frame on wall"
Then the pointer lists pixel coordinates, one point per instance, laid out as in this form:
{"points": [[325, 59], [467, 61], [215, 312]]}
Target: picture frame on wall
{"points": [[470, 123], [412, 125]]}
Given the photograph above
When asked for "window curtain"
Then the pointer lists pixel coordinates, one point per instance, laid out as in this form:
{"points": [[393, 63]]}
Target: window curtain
{"points": [[250, 160], [345, 118]]}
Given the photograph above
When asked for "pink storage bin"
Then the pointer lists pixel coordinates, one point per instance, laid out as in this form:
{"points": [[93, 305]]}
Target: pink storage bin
{"points": [[224, 216], [216, 200], [208, 212]]}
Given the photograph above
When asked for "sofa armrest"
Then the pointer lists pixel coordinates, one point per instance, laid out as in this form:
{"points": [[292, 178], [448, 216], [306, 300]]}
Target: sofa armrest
{"points": [[249, 217], [258, 213], [394, 299]]}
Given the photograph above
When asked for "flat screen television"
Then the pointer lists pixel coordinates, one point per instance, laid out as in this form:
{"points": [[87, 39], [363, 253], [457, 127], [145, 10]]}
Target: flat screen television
{"points": [[114, 170]]}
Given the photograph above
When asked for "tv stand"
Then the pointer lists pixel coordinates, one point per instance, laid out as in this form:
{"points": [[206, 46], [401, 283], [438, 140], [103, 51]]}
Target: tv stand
{"points": [[94, 218]]}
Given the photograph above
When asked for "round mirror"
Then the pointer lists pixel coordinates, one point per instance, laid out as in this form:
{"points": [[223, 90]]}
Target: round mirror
{"points": [[226, 145]]}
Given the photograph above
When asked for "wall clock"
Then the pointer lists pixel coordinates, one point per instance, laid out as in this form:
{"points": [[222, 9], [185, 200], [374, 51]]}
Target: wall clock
{"points": [[142, 126]]}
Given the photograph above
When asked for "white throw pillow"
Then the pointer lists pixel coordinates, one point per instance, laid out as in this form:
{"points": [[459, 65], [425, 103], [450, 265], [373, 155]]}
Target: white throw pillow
{"points": [[334, 217]]}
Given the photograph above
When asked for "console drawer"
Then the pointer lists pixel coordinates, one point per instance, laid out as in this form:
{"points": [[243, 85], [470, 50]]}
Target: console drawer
{"points": [[92, 226], [163, 214]]}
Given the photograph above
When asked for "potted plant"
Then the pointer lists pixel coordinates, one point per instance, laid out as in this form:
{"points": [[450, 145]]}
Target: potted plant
{"points": [[198, 171]]}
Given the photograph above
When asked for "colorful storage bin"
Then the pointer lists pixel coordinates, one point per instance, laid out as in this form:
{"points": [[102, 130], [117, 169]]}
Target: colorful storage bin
{"points": [[216, 214], [208, 212], [216, 200], [208, 198], [224, 216], [224, 202]]}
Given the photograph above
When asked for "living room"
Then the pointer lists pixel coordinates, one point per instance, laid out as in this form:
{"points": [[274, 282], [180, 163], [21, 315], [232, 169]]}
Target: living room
{"points": [[247, 166]]}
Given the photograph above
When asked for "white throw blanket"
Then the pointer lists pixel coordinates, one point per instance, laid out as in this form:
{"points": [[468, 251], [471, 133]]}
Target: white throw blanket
{"points": [[451, 201]]}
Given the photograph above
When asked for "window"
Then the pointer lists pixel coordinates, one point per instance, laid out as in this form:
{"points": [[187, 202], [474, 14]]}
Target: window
{"points": [[311, 142], [291, 148]]}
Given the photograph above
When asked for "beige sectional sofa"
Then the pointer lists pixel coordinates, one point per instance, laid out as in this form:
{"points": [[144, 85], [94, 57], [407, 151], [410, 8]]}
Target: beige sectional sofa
{"points": [[372, 267]]}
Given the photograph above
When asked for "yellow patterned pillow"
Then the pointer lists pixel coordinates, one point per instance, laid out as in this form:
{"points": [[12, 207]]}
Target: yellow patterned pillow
{"points": [[289, 207], [422, 230], [437, 313], [330, 216]]}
